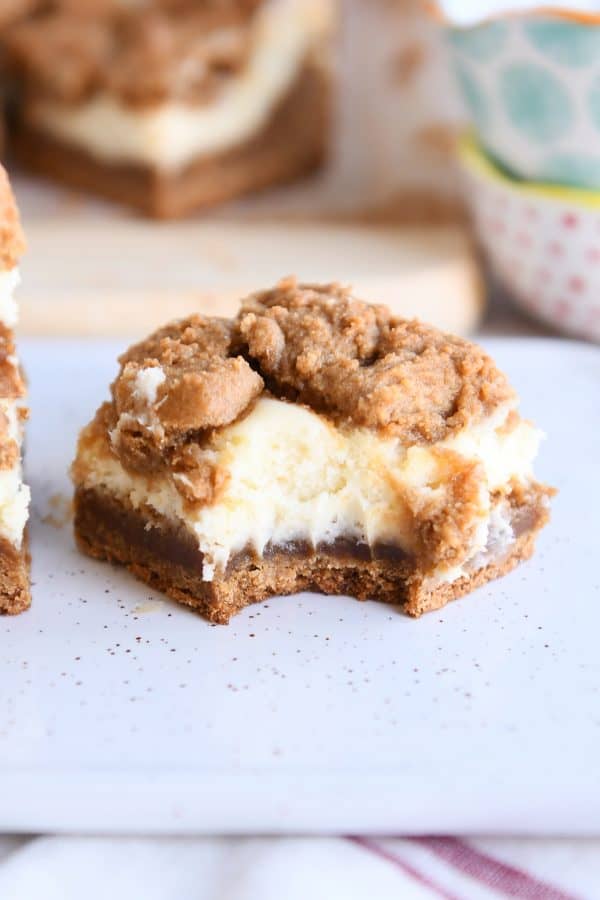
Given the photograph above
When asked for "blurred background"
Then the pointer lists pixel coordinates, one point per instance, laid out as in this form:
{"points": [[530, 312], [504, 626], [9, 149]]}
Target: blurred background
{"points": [[171, 155]]}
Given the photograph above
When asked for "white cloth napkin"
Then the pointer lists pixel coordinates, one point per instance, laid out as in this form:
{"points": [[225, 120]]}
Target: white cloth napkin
{"points": [[97, 868]]}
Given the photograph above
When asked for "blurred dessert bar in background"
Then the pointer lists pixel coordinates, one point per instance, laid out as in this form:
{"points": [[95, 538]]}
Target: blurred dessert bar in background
{"points": [[14, 494], [172, 106], [175, 105]]}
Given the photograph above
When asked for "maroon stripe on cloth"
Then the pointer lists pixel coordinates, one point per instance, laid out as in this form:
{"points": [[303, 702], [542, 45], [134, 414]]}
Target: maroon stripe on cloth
{"points": [[502, 877], [408, 869]]}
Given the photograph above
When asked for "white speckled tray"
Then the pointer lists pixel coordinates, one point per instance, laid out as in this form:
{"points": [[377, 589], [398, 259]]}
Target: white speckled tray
{"points": [[120, 711]]}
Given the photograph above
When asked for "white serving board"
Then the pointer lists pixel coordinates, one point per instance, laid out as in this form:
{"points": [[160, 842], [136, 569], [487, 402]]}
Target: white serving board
{"points": [[120, 711]]}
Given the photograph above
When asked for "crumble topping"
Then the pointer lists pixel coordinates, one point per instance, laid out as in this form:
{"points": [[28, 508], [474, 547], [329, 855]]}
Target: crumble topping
{"points": [[12, 383], [317, 345], [12, 240], [9, 449], [171, 49], [445, 523], [199, 385]]}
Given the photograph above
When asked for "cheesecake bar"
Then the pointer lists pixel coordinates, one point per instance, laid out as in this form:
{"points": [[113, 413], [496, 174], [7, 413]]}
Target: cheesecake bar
{"points": [[14, 494], [314, 442], [172, 106]]}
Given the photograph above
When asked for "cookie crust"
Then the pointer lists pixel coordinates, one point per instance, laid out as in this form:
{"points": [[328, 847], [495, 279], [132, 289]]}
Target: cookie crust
{"points": [[166, 558], [15, 594]]}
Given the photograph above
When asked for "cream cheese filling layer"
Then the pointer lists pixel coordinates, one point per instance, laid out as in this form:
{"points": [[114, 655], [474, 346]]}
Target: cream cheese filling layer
{"points": [[293, 476], [172, 134], [9, 309], [14, 494]]}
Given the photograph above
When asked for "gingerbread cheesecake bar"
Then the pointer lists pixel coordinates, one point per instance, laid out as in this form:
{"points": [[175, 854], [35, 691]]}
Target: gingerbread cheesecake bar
{"points": [[173, 105], [314, 442], [14, 494]]}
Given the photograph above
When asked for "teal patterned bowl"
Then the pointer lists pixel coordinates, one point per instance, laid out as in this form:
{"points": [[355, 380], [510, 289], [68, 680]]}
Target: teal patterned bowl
{"points": [[531, 84]]}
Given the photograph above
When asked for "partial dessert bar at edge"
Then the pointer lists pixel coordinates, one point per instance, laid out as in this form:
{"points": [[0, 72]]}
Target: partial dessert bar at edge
{"points": [[169, 110], [14, 494], [314, 442]]}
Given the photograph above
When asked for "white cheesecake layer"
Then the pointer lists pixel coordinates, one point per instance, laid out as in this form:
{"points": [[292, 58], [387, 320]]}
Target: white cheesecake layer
{"points": [[170, 135], [14, 494], [293, 476], [9, 310]]}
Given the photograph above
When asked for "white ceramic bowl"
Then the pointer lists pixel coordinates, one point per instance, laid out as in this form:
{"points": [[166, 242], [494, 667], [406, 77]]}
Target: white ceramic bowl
{"points": [[543, 242]]}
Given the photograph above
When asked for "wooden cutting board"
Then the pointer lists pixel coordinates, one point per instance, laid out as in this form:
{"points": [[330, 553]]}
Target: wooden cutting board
{"points": [[127, 277]]}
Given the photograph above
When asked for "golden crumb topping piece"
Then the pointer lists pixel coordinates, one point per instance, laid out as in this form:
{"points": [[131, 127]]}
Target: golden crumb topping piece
{"points": [[183, 380], [12, 240], [318, 345]]}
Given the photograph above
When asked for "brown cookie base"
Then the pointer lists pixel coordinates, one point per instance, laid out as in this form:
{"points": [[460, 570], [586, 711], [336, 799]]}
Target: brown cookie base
{"points": [[168, 559], [292, 144], [15, 595]]}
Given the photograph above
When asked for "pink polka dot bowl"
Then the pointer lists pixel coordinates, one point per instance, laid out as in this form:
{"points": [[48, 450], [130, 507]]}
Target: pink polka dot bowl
{"points": [[542, 242]]}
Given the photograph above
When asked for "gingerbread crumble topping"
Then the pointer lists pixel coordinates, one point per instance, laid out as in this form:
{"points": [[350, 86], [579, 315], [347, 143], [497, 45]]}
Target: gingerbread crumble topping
{"points": [[317, 345], [201, 385], [12, 383], [169, 49], [9, 450], [444, 524], [12, 239]]}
